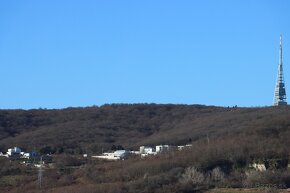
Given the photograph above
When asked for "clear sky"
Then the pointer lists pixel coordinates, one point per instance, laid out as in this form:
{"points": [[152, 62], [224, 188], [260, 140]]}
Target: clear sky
{"points": [[70, 53]]}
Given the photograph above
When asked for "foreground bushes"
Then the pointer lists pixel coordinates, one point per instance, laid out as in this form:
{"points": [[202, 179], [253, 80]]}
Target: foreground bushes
{"points": [[197, 169]]}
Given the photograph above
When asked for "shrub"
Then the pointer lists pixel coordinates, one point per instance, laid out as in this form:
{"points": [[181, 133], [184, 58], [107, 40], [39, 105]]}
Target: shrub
{"points": [[267, 179], [192, 176], [67, 161], [217, 176]]}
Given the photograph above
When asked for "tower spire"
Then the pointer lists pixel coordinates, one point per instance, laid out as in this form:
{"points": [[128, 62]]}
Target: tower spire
{"points": [[280, 92], [280, 51]]}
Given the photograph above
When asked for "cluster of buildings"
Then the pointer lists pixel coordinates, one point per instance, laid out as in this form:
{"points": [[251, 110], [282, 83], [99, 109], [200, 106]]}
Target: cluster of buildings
{"points": [[143, 152], [18, 153]]}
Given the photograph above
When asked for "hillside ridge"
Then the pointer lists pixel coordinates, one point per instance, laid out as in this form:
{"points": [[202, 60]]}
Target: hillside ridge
{"points": [[91, 129]]}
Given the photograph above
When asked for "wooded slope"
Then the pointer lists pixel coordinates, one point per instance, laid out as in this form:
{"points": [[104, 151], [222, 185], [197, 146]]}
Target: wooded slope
{"points": [[91, 129]]}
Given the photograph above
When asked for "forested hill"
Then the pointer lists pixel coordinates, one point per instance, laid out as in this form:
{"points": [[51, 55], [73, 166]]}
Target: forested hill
{"points": [[91, 129]]}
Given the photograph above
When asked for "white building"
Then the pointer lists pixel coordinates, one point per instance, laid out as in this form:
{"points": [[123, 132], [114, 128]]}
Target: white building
{"points": [[117, 155], [161, 148], [180, 147], [29, 155], [135, 152], [146, 150], [14, 151], [122, 154]]}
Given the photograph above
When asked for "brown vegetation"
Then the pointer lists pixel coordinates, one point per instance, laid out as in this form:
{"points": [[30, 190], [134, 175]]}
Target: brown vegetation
{"points": [[225, 141]]}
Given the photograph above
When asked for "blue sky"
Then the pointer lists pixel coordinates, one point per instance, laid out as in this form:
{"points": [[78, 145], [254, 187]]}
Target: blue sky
{"points": [[57, 54]]}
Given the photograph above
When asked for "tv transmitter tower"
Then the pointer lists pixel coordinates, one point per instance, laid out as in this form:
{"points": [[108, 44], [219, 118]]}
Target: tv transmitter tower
{"points": [[280, 92]]}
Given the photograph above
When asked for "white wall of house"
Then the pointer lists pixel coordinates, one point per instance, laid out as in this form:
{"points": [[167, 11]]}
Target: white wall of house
{"points": [[12, 151], [146, 150], [117, 155]]}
